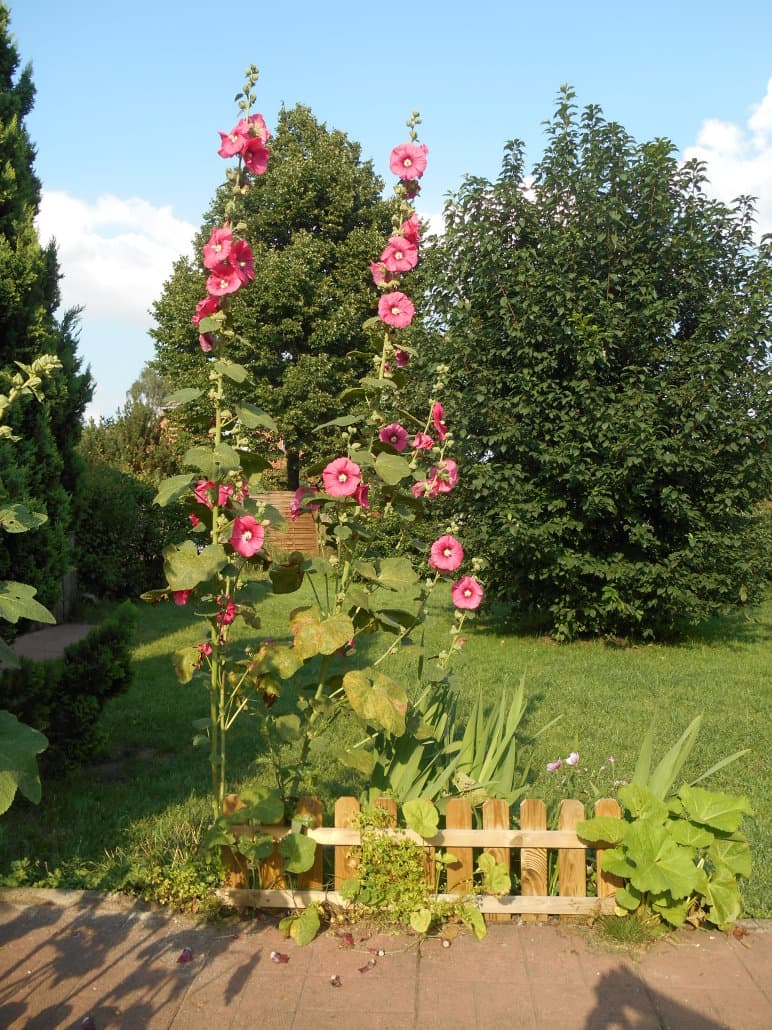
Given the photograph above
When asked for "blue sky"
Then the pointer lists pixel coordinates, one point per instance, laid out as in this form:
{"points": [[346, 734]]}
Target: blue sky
{"points": [[130, 98]]}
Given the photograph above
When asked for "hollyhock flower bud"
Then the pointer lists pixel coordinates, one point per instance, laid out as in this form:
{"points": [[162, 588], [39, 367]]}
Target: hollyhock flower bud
{"points": [[205, 650], [395, 309], [227, 612], [396, 435], [401, 358], [247, 536], [341, 478], [180, 597], [446, 554], [399, 255], [194, 520], [438, 416], [408, 160], [467, 593]]}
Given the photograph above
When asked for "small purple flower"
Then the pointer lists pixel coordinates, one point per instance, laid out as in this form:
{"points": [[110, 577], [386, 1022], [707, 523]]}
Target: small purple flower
{"points": [[573, 758], [554, 766]]}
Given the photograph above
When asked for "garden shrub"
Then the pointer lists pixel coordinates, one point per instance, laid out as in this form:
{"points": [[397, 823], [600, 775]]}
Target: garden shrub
{"points": [[64, 698]]}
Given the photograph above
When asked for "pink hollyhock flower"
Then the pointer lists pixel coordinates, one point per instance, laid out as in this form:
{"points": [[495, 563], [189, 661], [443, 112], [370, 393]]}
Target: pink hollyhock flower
{"points": [[408, 160], [243, 260], [411, 230], [401, 358], [360, 495], [255, 155], [446, 554], [218, 248], [554, 766], [443, 477], [341, 478], [227, 612], [204, 308], [223, 280], [202, 492], [180, 597], [205, 650], [247, 536], [420, 489], [573, 758], [438, 416], [466, 593], [233, 142], [224, 494], [396, 435], [399, 255], [297, 507], [422, 442], [206, 342], [396, 309], [194, 520], [379, 273], [258, 127]]}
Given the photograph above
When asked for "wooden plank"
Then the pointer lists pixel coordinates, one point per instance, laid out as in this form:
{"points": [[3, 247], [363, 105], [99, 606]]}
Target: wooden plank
{"points": [[507, 906], [496, 816], [458, 816], [314, 877], [572, 872], [236, 866], [533, 861], [390, 805], [300, 534], [346, 857], [450, 837], [607, 882]]}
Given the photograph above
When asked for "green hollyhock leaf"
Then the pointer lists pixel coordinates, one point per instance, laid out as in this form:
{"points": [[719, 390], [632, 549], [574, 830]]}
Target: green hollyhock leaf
{"points": [[473, 918], [495, 875], [397, 574], [256, 848], [733, 855], [189, 393], [712, 808], [288, 727], [287, 578], [19, 746], [627, 897], [230, 369], [213, 462], [171, 490], [305, 927], [723, 897], [17, 518], [359, 759], [673, 912], [342, 421], [378, 700], [17, 601], [421, 816], [186, 663], [392, 468], [691, 836], [660, 864], [275, 659], [298, 851], [185, 568], [421, 920], [264, 805], [315, 635], [602, 828], [253, 417], [641, 803], [615, 861]]}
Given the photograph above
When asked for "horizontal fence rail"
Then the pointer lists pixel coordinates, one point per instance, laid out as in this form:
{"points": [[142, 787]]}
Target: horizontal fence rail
{"points": [[533, 841]]}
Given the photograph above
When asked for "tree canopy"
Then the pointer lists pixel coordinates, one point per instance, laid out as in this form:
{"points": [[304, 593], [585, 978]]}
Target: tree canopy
{"points": [[314, 221], [607, 330]]}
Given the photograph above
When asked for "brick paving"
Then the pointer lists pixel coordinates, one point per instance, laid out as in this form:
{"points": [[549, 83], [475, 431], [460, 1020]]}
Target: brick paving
{"points": [[65, 956]]}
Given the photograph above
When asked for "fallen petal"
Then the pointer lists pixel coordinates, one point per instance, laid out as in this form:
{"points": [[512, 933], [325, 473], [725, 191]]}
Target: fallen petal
{"points": [[277, 956], [88, 1024], [348, 939], [335, 981], [370, 964], [376, 951], [186, 955]]}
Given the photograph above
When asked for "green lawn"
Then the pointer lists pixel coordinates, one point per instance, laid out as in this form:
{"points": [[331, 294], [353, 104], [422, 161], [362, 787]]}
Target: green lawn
{"points": [[134, 818]]}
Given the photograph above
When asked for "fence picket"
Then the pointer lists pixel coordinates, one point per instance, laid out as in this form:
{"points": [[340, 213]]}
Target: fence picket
{"points": [[572, 864], [346, 858], [607, 882], [533, 861], [458, 816], [314, 877], [496, 817]]}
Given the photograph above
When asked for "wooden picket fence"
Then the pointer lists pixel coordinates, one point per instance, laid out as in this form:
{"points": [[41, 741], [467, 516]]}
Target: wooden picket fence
{"points": [[533, 841]]}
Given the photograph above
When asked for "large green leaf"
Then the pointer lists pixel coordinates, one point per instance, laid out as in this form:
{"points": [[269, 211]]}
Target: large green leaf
{"points": [[660, 863], [397, 574], [378, 700], [213, 462], [264, 805], [17, 601], [19, 747], [733, 855], [641, 803], [723, 896], [17, 518], [691, 836], [303, 928], [253, 417], [316, 635], [602, 828], [421, 816], [298, 852], [711, 808], [186, 662], [233, 371], [275, 659], [185, 567], [184, 396], [392, 468], [172, 489]]}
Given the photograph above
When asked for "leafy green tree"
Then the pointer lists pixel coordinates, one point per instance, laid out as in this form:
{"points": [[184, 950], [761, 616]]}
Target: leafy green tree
{"points": [[317, 220], [607, 337], [41, 470]]}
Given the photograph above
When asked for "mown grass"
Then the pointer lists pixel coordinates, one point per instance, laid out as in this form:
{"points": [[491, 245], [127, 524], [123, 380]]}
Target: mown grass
{"points": [[133, 819]]}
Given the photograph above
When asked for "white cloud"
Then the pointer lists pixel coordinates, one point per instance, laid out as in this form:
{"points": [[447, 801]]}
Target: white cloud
{"points": [[114, 254], [739, 158]]}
